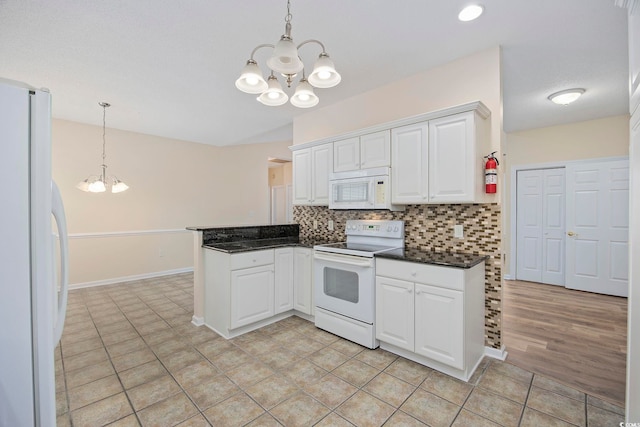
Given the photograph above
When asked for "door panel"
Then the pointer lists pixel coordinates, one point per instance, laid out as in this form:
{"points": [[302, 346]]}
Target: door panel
{"points": [[529, 228], [540, 220], [597, 227], [553, 226]]}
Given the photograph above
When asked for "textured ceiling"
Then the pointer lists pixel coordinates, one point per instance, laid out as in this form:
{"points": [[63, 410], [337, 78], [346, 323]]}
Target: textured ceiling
{"points": [[168, 67]]}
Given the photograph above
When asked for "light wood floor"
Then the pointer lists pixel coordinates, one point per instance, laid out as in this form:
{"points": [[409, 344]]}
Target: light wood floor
{"points": [[578, 338]]}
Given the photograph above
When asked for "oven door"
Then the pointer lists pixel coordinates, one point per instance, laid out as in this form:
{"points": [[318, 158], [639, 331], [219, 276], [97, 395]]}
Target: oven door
{"points": [[345, 284]]}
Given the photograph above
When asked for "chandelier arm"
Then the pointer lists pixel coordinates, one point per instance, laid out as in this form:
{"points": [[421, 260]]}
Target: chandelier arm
{"points": [[260, 46], [312, 41]]}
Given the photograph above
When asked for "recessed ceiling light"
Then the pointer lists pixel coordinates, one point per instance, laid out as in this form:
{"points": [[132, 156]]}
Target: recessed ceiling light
{"points": [[470, 13], [566, 97]]}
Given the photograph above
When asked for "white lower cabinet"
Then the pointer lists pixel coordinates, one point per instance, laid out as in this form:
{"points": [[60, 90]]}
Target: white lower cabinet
{"points": [[303, 280], [431, 314], [395, 312], [439, 323], [283, 279], [252, 295], [248, 290]]}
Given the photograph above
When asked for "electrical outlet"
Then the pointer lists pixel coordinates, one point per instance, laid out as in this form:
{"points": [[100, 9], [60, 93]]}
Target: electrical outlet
{"points": [[458, 232], [330, 225], [315, 224], [160, 252]]}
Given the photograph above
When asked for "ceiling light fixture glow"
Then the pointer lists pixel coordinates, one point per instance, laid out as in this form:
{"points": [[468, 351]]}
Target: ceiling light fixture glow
{"points": [[566, 97], [285, 60], [99, 183], [470, 12]]}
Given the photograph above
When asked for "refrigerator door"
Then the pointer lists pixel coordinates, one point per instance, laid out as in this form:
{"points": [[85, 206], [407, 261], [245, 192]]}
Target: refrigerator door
{"points": [[27, 283], [16, 363], [43, 282]]}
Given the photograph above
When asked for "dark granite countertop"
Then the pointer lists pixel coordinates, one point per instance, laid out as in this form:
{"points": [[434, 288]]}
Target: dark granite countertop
{"points": [[256, 245], [446, 259]]}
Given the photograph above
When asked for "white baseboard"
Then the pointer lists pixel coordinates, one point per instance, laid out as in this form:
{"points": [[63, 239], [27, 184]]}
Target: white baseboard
{"points": [[508, 277], [130, 278], [500, 354], [197, 321]]}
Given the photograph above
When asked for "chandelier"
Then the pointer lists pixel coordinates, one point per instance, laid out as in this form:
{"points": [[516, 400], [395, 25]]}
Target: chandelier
{"points": [[285, 60], [99, 183]]}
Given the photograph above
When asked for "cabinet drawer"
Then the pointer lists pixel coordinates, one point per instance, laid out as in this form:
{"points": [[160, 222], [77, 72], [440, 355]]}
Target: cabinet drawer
{"points": [[445, 277], [251, 259]]}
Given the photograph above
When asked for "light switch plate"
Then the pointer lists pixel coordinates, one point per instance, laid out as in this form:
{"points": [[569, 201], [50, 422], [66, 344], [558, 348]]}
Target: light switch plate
{"points": [[330, 225], [458, 232], [315, 224]]}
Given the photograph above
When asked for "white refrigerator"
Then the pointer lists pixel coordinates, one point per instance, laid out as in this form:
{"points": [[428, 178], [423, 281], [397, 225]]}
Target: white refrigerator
{"points": [[33, 258]]}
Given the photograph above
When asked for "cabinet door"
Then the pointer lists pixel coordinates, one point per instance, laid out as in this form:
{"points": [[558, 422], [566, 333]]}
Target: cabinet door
{"points": [[375, 150], [303, 280], [321, 166], [252, 295], [302, 177], [452, 167], [346, 155], [395, 312], [439, 324], [409, 163], [283, 276]]}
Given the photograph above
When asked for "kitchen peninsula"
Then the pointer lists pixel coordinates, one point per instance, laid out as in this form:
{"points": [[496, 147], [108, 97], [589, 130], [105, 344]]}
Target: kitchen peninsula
{"points": [[246, 277]]}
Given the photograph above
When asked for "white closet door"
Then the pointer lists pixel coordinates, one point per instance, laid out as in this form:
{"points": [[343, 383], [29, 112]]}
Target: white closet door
{"points": [[529, 228], [540, 226], [598, 227], [553, 227]]}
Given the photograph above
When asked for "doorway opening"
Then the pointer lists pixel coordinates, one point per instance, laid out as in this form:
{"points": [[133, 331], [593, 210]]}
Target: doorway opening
{"points": [[280, 191]]}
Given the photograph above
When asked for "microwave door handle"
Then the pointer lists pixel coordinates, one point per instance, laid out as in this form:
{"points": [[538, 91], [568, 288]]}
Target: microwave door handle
{"points": [[372, 193]]}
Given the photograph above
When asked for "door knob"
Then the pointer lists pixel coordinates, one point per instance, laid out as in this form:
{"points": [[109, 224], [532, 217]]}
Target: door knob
{"points": [[571, 234]]}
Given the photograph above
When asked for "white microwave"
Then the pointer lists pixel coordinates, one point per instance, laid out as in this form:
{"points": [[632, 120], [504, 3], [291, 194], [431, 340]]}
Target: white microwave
{"points": [[362, 189]]}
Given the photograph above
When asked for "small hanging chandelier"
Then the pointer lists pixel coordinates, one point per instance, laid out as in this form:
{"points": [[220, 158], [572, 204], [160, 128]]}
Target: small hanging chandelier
{"points": [[99, 183], [286, 61]]}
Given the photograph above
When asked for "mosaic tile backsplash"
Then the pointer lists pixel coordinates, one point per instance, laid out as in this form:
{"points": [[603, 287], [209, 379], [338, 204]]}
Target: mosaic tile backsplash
{"points": [[430, 227]]}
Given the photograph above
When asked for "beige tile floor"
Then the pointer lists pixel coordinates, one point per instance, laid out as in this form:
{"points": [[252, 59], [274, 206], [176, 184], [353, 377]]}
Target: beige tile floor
{"points": [[129, 356]]}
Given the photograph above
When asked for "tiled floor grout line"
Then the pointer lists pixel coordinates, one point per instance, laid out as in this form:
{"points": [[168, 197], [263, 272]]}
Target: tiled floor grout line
{"points": [[173, 323]]}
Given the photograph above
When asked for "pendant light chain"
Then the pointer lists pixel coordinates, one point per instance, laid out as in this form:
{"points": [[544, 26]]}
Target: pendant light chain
{"points": [[104, 131], [288, 17]]}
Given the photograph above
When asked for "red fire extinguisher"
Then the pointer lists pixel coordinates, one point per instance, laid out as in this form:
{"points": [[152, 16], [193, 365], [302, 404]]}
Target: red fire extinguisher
{"points": [[491, 173]]}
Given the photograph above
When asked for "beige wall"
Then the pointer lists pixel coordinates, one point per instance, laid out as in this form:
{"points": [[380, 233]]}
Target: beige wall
{"points": [[608, 137], [173, 184], [472, 78]]}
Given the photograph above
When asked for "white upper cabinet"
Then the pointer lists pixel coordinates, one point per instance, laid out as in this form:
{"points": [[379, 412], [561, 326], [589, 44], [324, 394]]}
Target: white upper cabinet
{"points": [[362, 152], [440, 160], [346, 155], [457, 145], [311, 169], [409, 164], [437, 157]]}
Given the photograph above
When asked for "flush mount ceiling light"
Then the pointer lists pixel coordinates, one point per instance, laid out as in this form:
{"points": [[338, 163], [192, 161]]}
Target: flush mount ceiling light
{"points": [[286, 61], [470, 12], [566, 97], [99, 183]]}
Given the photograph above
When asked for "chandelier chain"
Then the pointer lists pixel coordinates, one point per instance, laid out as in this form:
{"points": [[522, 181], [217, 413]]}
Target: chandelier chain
{"points": [[104, 131], [288, 17]]}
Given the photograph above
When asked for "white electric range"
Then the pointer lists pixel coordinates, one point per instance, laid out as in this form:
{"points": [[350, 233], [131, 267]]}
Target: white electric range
{"points": [[344, 276]]}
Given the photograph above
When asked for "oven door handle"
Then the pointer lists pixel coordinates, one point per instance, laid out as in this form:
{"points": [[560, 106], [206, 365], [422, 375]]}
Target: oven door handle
{"points": [[345, 259]]}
